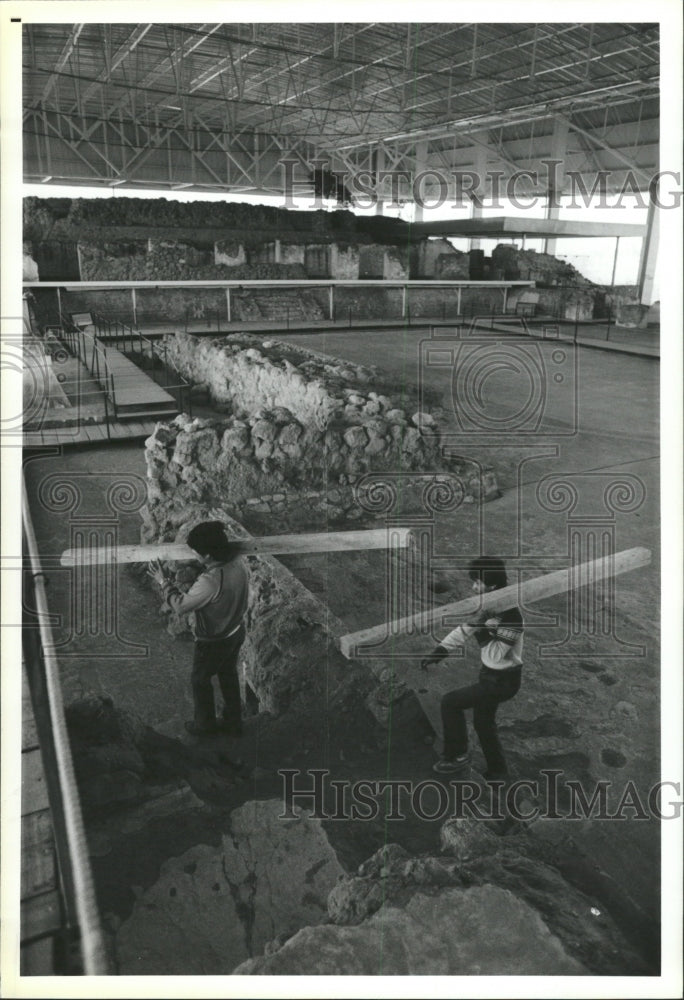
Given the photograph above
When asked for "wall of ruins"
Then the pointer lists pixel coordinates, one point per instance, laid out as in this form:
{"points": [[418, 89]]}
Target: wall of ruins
{"points": [[301, 442]]}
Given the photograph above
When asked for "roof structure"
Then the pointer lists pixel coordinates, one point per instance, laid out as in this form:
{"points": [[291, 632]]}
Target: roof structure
{"points": [[510, 226], [397, 110]]}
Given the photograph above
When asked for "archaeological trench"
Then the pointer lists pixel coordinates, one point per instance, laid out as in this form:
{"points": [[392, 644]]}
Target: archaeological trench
{"points": [[196, 869], [199, 867]]}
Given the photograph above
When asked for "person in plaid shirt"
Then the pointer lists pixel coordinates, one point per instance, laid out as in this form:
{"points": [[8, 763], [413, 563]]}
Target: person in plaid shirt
{"points": [[500, 639]]}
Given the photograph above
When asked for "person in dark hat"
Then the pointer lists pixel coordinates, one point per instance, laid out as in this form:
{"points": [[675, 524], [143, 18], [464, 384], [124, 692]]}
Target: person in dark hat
{"points": [[218, 600], [500, 639]]}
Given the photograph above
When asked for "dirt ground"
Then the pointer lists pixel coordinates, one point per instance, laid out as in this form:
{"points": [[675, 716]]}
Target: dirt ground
{"points": [[590, 707]]}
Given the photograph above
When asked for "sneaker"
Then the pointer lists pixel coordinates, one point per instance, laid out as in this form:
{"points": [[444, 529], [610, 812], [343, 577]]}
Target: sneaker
{"points": [[196, 730], [452, 766]]}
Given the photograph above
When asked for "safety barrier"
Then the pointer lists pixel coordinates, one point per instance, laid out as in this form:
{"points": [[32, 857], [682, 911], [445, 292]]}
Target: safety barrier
{"points": [[81, 931]]}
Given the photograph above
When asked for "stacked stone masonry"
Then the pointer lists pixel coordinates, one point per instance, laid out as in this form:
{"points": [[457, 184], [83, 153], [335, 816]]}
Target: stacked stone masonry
{"points": [[297, 426]]}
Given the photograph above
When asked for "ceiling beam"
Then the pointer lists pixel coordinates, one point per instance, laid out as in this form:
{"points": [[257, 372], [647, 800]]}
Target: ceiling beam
{"points": [[64, 57], [527, 113], [119, 56], [626, 160]]}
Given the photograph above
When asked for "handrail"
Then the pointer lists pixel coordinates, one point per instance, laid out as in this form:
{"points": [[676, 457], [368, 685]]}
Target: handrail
{"points": [[75, 862], [77, 341]]}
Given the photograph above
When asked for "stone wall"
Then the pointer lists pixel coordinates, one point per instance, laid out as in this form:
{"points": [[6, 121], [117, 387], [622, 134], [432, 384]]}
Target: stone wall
{"points": [[255, 469], [437, 258], [29, 266], [249, 373], [299, 467], [230, 253], [291, 253], [344, 261], [513, 263], [170, 259], [396, 263], [271, 453], [387, 263], [453, 267]]}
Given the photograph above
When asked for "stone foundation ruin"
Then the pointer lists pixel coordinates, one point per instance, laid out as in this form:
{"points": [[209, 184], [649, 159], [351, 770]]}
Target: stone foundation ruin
{"points": [[300, 448], [299, 427], [296, 442], [147, 240]]}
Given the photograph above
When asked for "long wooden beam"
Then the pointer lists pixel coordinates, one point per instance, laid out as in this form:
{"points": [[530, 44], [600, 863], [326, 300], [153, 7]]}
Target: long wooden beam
{"points": [[272, 545], [526, 592]]}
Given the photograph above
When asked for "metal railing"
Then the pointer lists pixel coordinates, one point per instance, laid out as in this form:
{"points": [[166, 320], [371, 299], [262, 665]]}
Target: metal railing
{"points": [[207, 318], [93, 355], [153, 360], [80, 918]]}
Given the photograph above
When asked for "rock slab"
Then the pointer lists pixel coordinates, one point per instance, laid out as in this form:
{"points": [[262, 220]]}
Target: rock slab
{"points": [[460, 932], [214, 907]]}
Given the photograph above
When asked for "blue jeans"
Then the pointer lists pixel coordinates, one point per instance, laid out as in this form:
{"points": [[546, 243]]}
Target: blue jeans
{"points": [[492, 688], [219, 657]]}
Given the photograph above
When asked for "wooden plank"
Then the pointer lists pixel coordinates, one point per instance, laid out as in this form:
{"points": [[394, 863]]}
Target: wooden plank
{"points": [[40, 915], [34, 794], [37, 958], [90, 433], [524, 593], [332, 541], [141, 429], [38, 871], [29, 734]]}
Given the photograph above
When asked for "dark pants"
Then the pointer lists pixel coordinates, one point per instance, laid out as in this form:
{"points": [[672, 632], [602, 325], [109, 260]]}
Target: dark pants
{"points": [[219, 658], [484, 698]]}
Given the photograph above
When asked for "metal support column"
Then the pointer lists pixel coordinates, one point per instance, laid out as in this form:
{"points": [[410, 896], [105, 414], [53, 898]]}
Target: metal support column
{"points": [[331, 301], [379, 167], [228, 312], [480, 157], [648, 258], [556, 178], [421, 163], [615, 260]]}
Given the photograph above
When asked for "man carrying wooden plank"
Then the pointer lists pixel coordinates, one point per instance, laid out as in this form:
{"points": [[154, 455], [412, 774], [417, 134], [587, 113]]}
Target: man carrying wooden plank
{"points": [[500, 639], [218, 599]]}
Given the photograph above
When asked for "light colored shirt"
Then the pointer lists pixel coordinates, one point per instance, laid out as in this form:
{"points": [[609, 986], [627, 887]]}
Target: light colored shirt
{"points": [[500, 647], [217, 599]]}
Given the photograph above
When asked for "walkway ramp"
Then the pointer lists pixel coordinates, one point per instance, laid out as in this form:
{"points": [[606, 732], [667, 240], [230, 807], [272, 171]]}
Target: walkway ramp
{"points": [[135, 393], [132, 392]]}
